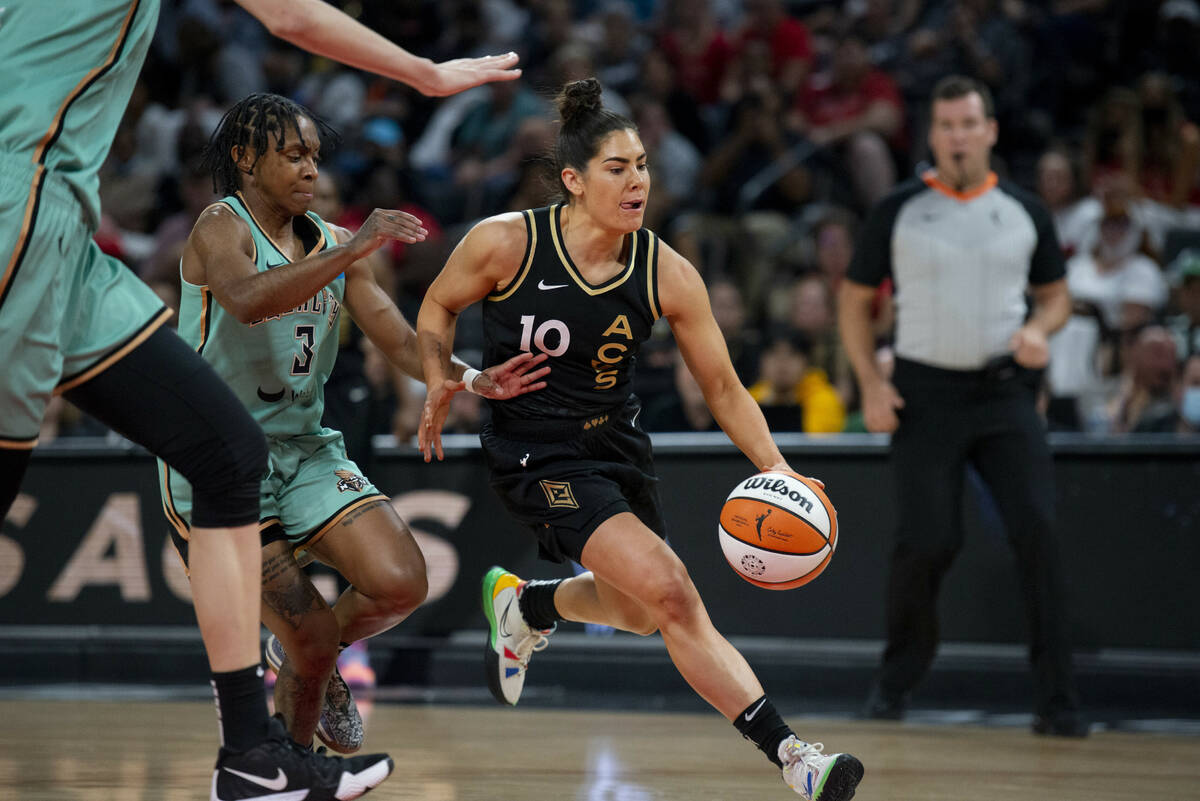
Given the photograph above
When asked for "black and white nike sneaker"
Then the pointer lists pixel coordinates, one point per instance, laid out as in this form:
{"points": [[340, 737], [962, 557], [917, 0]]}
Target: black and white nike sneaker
{"points": [[278, 769]]}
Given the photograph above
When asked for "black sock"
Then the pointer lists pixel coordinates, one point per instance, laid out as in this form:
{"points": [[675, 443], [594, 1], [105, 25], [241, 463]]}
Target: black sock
{"points": [[760, 724], [241, 707], [536, 603]]}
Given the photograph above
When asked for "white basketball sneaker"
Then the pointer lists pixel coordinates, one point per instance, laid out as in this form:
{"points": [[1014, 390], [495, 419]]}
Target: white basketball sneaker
{"points": [[511, 642], [815, 776]]}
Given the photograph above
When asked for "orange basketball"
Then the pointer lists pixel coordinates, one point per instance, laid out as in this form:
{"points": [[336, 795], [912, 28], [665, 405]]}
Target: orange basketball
{"points": [[778, 530]]}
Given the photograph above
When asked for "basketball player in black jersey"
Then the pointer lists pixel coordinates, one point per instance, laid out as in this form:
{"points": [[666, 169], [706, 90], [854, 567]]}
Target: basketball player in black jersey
{"points": [[584, 282]]}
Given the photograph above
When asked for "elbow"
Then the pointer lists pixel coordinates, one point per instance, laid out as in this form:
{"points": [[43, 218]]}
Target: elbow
{"points": [[287, 22]]}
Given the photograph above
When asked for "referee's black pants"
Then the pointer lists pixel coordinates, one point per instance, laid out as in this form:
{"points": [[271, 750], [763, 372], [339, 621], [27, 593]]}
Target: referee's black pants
{"points": [[987, 418]]}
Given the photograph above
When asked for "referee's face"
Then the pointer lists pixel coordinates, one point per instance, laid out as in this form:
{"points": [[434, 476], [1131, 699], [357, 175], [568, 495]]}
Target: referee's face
{"points": [[961, 137]]}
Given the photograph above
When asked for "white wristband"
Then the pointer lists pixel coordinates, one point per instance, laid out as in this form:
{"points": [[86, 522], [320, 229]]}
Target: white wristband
{"points": [[469, 376]]}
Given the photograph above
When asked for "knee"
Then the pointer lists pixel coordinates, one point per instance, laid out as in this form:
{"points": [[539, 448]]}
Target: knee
{"points": [[400, 591], [673, 599], [312, 647], [640, 623]]}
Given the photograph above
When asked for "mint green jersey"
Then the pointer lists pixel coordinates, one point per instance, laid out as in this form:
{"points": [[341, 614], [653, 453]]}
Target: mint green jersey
{"points": [[277, 367], [69, 67]]}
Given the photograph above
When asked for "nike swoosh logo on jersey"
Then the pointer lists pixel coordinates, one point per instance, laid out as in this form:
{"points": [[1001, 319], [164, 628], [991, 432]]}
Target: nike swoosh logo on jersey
{"points": [[543, 285], [278, 783], [750, 715], [270, 397]]}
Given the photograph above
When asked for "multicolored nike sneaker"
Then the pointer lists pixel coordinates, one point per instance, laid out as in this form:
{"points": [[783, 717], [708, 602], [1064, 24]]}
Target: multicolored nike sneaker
{"points": [[511, 642]]}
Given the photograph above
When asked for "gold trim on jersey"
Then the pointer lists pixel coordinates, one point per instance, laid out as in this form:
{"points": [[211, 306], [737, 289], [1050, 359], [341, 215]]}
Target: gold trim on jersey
{"points": [[317, 248], [55, 129], [652, 274], [573, 271], [116, 355], [325, 527], [18, 444], [530, 249]]}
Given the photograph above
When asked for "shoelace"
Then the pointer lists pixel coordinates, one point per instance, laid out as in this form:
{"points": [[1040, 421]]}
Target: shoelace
{"points": [[801, 751]]}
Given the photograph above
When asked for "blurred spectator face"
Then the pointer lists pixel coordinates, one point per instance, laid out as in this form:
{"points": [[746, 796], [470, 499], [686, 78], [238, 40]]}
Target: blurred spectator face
{"points": [[1119, 239], [727, 307], [810, 310], [961, 138], [327, 198], [851, 62], [834, 249], [782, 366], [658, 78], [653, 123], [1154, 360], [1055, 183], [763, 15]]}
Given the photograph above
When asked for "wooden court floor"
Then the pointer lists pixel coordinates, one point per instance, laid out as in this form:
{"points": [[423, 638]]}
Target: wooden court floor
{"points": [[163, 751]]}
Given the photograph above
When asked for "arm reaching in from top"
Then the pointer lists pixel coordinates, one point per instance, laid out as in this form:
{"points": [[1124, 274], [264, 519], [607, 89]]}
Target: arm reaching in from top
{"points": [[319, 28]]}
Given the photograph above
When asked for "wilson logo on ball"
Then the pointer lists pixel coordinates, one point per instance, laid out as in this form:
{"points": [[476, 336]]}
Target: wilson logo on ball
{"points": [[778, 530]]}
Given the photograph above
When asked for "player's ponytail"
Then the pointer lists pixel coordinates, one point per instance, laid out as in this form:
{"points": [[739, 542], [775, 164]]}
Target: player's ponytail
{"points": [[584, 124]]}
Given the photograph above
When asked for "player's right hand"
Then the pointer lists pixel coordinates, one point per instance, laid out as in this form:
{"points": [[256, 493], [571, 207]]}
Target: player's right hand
{"points": [[384, 225]]}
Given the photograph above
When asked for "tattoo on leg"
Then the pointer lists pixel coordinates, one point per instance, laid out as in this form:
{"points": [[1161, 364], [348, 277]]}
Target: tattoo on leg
{"points": [[290, 600], [362, 510]]}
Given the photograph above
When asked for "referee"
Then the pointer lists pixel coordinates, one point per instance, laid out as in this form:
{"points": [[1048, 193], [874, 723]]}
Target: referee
{"points": [[963, 249]]}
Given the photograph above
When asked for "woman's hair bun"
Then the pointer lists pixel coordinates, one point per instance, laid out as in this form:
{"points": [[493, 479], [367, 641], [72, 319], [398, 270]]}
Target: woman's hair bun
{"points": [[578, 99]]}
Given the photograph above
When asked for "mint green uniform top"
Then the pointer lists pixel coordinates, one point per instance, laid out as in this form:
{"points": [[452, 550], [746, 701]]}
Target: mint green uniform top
{"points": [[68, 68], [67, 310], [277, 367]]}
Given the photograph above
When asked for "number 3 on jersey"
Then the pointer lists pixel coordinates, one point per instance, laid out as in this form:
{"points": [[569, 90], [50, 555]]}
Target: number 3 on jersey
{"points": [[302, 362]]}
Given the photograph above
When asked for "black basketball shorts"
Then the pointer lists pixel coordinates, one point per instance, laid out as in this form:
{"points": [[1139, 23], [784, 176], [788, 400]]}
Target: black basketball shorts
{"points": [[565, 488]]}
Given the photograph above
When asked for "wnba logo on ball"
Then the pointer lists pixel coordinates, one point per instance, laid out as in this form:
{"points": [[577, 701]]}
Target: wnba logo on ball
{"points": [[778, 485]]}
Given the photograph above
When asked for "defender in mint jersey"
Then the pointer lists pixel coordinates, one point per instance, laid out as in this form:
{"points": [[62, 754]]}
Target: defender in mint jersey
{"points": [[583, 283], [265, 281]]}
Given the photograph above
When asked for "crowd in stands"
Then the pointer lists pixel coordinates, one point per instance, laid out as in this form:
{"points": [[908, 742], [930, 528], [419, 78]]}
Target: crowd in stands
{"points": [[771, 127]]}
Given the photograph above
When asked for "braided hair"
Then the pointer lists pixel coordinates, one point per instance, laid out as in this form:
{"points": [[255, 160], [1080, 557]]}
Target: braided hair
{"points": [[249, 125], [585, 122]]}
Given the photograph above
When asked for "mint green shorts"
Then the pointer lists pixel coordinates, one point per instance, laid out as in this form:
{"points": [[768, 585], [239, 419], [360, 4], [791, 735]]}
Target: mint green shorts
{"points": [[67, 311], [310, 487]]}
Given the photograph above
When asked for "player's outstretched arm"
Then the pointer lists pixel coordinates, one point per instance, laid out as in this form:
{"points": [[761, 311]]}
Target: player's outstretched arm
{"points": [[320, 28]]}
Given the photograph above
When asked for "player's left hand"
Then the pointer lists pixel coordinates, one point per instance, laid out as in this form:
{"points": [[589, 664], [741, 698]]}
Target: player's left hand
{"points": [[1029, 347], [513, 377]]}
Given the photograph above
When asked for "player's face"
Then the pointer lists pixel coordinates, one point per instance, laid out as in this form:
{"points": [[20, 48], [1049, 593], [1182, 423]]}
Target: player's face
{"points": [[961, 137], [616, 183], [287, 176]]}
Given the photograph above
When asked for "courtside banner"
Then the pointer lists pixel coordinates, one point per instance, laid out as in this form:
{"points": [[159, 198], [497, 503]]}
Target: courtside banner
{"points": [[87, 542]]}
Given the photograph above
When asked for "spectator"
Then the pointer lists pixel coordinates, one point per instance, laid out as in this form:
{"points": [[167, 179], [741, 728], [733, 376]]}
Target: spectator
{"points": [[674, 163], [856, 110], [795, 396], [788, 42], [741, 339], [683, 409], [1147, 400], [696, 49], [1059, 190], [811, 313]]}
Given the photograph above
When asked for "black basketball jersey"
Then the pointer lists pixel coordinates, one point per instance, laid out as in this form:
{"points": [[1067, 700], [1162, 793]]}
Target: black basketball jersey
{"points": [[591, 332]]}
